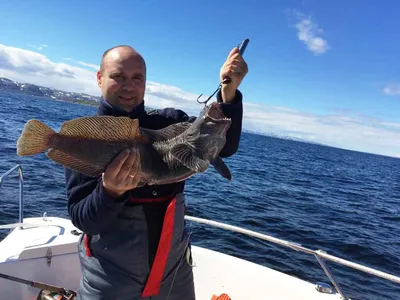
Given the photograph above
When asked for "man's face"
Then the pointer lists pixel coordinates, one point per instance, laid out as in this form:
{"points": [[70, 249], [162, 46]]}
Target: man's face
{"points": [[123, 78]]}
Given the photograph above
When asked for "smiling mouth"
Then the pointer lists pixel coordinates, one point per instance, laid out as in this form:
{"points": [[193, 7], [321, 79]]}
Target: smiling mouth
{"points": [[125, 98]]}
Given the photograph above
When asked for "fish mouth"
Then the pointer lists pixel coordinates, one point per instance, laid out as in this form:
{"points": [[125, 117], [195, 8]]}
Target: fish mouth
{"points": [[216, 114]]}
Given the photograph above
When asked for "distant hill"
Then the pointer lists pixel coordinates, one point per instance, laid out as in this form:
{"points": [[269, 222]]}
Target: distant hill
{"points": [[284, 137], [41, 91]]}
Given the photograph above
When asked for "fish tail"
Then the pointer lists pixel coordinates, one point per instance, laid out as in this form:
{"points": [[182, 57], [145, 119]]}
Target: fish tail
{"points": [[35, 138]]}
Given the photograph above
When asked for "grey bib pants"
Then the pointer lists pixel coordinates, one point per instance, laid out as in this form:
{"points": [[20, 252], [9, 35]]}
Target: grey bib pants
{"points": [[115, 265]]}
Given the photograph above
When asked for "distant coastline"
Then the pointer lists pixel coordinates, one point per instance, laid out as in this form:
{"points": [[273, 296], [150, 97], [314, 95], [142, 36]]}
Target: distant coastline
{"points": [[8, 85]]}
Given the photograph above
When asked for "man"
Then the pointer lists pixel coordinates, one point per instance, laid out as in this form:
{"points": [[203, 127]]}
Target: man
{"points": [[134, 244]]}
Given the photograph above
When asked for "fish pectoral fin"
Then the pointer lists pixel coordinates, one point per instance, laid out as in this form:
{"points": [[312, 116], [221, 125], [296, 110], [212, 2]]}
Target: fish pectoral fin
{"points": [[166, 133], [74, 163], [186, 155], [105, 128], [221, 168]]}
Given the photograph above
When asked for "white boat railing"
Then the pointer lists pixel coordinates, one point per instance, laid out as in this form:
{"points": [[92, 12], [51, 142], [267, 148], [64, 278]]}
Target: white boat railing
{"points": [[319, 254], [21, 186]]}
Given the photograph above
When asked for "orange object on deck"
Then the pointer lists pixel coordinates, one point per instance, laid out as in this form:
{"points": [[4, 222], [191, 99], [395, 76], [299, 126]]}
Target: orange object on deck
{"points": [[221, 297]]}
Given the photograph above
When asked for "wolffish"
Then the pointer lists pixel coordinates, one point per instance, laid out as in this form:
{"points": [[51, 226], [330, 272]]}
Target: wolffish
{"points": [[171, 154]]}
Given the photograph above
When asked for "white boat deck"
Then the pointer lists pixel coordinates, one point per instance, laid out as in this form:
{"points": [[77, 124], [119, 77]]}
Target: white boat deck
{"points": [[23, 254], [220, 273]]}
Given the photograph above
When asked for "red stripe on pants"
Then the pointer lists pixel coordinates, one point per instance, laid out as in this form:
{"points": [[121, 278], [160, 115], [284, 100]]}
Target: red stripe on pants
{"points": [[86, 245], [152, 287]]}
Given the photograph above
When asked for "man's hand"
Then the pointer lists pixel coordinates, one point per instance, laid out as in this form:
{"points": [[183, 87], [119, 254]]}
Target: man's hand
{"points": [[236, 68], [122, 174]]}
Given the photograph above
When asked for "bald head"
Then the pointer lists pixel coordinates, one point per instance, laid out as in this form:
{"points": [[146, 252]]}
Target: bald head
{"points": [[120, 52], [122, 77]]}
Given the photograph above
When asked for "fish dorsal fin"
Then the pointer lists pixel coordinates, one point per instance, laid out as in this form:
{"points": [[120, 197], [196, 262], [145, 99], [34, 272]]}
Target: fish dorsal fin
{"points": [[106, 128], [186, 155], [166, 133]]}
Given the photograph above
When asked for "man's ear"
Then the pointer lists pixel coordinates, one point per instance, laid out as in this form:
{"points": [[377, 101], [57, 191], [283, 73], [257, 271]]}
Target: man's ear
{"points": [[99, 76]]}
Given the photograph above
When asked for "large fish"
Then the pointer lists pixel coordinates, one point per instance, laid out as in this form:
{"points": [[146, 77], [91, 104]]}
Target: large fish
{"points": [[168, 155]]}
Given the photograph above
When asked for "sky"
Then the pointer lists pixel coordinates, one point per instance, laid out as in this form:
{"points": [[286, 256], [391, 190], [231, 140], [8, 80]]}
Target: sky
{"points": [[323, 71]]}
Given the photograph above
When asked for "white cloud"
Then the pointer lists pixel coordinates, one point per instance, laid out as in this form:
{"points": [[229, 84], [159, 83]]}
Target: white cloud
{"points": [[341, 128], [33, 67], [163, 95], [392, 89], [310, 34], [40, 48], [93, 66]]}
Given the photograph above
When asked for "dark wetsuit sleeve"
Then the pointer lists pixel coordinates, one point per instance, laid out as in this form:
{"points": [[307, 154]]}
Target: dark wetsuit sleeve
{"points": [[234, 111], [90, 208]]}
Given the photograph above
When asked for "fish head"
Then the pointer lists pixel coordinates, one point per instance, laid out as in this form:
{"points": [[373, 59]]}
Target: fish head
{"points": [[200, 144], [212, 120], [207, 135]]}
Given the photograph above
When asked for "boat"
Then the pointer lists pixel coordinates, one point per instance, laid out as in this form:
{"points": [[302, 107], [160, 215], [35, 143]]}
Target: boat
{"points": [[38, 258]]}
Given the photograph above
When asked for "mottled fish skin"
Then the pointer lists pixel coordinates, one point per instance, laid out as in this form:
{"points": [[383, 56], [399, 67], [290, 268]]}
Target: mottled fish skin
{"points": [[167, 155], [96, 152]]}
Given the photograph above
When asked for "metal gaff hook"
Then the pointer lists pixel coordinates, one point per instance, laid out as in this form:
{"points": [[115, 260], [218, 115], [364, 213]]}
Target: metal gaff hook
{"points": [[242, 47], [208, 99]]}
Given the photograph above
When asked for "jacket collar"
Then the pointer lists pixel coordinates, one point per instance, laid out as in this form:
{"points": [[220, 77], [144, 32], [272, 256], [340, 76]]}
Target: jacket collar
{"points": [[106, 108]]}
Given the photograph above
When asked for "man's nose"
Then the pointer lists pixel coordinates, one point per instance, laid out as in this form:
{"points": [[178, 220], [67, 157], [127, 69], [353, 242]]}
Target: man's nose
{"points": [[129, 85]]}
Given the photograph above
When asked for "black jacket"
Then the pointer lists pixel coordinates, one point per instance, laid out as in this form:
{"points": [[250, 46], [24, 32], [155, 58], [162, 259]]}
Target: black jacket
{"points": [[93, 212]]}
